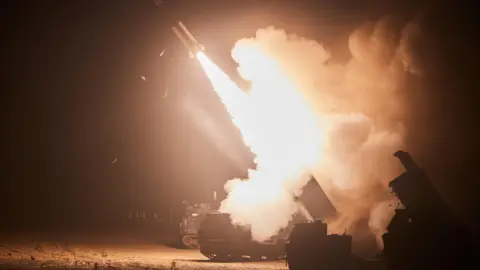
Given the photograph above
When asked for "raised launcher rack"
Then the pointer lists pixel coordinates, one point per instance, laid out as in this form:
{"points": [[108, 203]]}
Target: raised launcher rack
{"points": [[423, 235], [310, 247]]}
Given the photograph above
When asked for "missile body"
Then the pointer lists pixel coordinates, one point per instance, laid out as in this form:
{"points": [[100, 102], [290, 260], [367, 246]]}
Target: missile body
{"points": [[188, 40]]}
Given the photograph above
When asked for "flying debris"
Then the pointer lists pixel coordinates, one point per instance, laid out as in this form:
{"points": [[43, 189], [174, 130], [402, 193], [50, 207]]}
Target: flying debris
{"points": [[165, 95], [188, 40], [143, 78], [163, 51], [114, 160]]}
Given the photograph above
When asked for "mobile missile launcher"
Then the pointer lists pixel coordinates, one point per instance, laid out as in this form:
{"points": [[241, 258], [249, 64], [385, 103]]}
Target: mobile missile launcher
{"points": [[222, 241], [424, 234]]}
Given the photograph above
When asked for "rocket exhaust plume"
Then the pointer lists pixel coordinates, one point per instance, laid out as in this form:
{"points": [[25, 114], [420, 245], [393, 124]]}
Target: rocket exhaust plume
{"points": [[281, 130], [304, 115]]}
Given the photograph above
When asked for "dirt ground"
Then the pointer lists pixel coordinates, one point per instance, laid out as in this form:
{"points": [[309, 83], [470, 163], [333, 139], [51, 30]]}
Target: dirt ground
{"points": [[107, 252]]}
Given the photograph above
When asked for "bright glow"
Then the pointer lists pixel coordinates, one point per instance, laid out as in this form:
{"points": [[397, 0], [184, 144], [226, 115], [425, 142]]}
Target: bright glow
{"points": [[305, 114], [280, 129]]}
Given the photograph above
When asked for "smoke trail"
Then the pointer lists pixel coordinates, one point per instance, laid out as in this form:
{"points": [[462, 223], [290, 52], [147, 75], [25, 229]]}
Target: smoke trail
{"points": [[360, 109]]}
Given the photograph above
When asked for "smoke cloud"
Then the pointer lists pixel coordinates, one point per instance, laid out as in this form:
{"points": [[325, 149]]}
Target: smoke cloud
{"points": [[360, 107]]}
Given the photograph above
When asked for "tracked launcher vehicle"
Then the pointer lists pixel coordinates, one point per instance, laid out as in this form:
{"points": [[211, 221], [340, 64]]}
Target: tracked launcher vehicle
{"points": [[220, 240], [424, 234]]}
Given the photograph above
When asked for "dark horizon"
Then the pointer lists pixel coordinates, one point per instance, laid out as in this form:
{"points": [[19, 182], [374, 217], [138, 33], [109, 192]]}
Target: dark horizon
{"points": [[86, 139]]}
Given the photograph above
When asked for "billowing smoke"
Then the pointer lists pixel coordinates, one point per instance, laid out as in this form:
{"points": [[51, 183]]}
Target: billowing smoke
{"points": [[359, 107]]}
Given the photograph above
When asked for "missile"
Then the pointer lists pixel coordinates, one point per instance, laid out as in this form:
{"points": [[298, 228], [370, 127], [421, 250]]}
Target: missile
{"points": [[188, 40]]}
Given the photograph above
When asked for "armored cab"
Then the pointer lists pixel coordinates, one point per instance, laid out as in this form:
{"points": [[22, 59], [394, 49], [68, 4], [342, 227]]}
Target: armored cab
{"points": [[191, 220], [310, 247]]}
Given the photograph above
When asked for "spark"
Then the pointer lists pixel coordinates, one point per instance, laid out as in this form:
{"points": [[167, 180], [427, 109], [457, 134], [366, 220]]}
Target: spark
{"points": [[165, 94]]}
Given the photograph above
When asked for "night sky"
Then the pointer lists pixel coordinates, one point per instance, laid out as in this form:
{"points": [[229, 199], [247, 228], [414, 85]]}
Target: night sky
{"points": [[73, 100]]}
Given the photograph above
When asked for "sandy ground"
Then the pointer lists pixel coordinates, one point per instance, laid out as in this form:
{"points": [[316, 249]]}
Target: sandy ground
{"points": [[107, 253]]}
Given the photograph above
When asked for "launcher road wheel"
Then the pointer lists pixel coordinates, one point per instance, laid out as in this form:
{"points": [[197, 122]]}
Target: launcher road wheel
{"points": [[188, 241]]}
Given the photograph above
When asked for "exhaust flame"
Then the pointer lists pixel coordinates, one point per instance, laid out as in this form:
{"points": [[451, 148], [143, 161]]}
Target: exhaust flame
{"points": [[303, 115], [280, 129]]}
